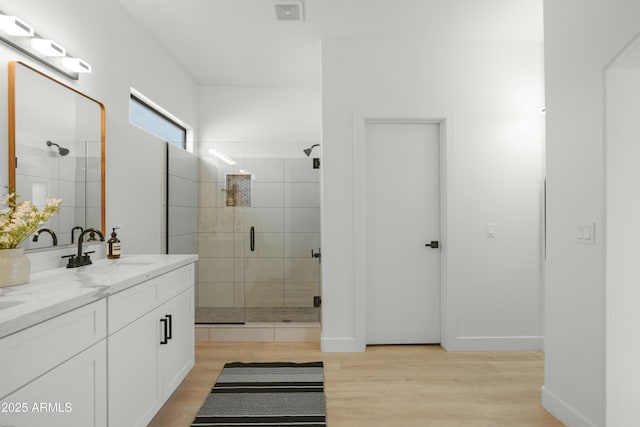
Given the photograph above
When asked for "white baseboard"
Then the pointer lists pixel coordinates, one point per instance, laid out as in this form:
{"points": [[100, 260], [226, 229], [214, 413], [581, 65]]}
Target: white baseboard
{"points": [[562, 411], [495, 343], [339, 345]]}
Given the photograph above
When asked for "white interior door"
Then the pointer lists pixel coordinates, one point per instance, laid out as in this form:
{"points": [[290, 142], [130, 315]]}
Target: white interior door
{"points": [[403, 215]]}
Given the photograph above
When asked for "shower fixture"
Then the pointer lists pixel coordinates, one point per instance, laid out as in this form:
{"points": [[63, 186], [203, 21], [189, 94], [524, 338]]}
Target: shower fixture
{"points": [[307, 151], [63, 151]]}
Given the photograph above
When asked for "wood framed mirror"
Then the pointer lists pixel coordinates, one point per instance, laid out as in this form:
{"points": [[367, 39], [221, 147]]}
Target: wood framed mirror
{"points": [[56, 150]]}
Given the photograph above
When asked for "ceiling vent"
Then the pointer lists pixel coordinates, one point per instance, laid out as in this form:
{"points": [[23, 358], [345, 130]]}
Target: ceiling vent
{"points": [[289, 10]]}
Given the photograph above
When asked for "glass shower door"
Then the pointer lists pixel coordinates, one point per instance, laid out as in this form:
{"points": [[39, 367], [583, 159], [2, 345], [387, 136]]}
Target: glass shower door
{"points": [[281, 233]]}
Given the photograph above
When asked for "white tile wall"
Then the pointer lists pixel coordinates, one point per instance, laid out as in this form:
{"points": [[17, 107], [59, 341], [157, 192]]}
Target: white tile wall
{"points": [[265, 170], [264, 220], [215, 294], [179, 220], [183, 200], [211, 195], [300, 294], [267, 245], [216, 220], [301, 195], [301, 270], [216, 245], [302, 220], [265, 270], [264, 295], [299, 245], [216, 270], [301, 170], [267, 195]]}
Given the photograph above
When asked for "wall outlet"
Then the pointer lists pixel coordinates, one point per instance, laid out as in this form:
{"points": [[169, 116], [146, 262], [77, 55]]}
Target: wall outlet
{"points": [[317, 301]]}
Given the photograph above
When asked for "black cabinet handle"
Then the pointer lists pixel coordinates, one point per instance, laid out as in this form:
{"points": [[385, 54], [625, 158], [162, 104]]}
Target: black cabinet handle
{"points": [[252, 238], [433, 245], [170, 322], [165, 329]]}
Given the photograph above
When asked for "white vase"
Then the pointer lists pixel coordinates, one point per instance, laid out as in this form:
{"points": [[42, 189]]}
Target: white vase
{"points": [[15, 267]]}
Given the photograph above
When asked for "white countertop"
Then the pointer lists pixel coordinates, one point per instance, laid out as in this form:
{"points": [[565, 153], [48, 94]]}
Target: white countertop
{"points": [[53, 292]]}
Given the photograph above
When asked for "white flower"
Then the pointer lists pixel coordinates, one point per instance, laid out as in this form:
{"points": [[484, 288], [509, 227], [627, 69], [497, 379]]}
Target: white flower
{"points": [[19, 221]]}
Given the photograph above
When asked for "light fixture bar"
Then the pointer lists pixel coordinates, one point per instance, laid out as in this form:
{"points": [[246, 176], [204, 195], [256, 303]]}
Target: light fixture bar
{"points": [[32, 44]]}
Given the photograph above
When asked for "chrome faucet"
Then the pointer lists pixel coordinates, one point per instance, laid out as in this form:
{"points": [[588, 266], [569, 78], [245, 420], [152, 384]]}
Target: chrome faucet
{"points": [[46, 230], [82, 259]]}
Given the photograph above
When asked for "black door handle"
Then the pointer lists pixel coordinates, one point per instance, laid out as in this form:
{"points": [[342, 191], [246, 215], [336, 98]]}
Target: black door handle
{"points": [[252, 238], [433, 245]]}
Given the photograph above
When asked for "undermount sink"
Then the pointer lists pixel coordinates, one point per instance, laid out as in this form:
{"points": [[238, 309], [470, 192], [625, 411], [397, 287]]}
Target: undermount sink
{"points": [[9, 304]]}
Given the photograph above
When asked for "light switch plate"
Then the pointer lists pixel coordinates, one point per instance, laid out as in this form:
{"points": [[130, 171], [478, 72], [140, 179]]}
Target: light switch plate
{"points": [[586, 233], [491, 231]]}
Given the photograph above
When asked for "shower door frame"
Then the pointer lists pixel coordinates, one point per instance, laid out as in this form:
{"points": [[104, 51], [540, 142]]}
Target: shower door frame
{"points": [[445, 121]]}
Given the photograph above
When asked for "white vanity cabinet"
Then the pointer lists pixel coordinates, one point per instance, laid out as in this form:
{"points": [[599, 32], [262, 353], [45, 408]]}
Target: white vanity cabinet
{"points": [[151, 345], [54, 373]]}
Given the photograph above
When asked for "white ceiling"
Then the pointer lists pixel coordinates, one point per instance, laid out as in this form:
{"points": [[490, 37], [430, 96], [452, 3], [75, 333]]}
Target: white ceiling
{"points": [[240, 42]]}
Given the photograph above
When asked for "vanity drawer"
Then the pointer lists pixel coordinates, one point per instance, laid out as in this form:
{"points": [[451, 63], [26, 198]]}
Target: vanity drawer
{"points": [[174, 282], [30, 353], [135, 302], [131, 304]]}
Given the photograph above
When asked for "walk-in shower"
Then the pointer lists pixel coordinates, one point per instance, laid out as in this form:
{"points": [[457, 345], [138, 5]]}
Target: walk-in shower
{"points": [[259, 227]]}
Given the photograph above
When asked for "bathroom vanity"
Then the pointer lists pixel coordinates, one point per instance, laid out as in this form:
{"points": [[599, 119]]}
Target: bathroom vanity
{"points": [[100, 345]]}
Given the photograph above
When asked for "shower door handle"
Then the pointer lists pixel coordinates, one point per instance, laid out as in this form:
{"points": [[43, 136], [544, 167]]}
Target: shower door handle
{"points": [[434, 244], [252, 238]]}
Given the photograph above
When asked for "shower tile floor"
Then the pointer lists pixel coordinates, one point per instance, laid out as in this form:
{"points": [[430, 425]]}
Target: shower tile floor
{"points": [[226, 315]]}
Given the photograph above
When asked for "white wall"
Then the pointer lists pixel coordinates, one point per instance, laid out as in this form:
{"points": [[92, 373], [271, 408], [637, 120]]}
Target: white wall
{"points": [[492, 93], [623, 276], [581, 39], [122, 56], [267, 121]]}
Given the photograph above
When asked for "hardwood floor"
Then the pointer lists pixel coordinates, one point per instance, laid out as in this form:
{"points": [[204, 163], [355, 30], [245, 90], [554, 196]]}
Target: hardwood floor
{"points": [[389, 385]]}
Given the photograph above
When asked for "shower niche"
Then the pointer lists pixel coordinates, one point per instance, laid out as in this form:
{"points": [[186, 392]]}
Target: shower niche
{"points": [[238, 189], [259, 227]]}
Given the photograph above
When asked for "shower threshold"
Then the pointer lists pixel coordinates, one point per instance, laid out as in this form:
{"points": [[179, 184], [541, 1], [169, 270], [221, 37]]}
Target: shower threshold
{"points": [[241, 315]]}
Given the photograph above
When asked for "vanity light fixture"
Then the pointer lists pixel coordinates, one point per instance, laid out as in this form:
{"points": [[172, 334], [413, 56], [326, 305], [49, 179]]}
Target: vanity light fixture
{"points": [[22, 37], [76, 64], [15, 26], [48, 47], [228, 160]]}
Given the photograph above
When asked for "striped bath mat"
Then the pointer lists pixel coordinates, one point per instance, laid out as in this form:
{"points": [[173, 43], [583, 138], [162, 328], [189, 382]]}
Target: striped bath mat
{"points": [[266, 394]]}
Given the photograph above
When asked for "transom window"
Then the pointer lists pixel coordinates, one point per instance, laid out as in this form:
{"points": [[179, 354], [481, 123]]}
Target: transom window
{"points": [[155, 122]]}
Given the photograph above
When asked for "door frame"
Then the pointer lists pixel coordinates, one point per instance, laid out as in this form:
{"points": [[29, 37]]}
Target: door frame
{"points": [[445, 121]]}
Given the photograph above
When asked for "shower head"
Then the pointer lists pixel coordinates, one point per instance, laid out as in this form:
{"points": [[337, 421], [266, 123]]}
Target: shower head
{"points": [[307, 151], [63, 151]]}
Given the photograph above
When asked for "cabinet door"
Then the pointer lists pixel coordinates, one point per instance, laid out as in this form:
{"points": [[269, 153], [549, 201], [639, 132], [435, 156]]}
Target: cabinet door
{"points": [[177, 356], [72, 394], [135, 394]]}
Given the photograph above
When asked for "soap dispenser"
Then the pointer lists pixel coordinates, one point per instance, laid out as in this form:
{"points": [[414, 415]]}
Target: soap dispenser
{"points": [[113, 245]]}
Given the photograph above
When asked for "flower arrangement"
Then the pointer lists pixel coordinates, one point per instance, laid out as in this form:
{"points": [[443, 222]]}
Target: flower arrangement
{"points": [[20, 220]]}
